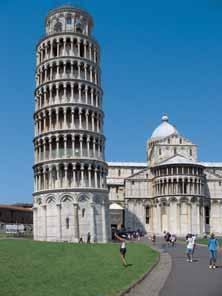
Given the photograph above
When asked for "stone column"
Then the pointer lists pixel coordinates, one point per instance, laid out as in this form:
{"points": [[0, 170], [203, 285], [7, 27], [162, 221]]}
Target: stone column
{"points": [[59, 224], [104, 222], [198, 217], [35, 224], [65, 185], [65, 146], [80, 97], [190, 220], [57, 146], [88, 146], [204, 224], [90, 175], [95, 177], [82, 176], [44, 207], [81, 145], [76, 222], [74, 174], [168, 216], [80, 118], [92, 222], [178, 218], [158, 209], [73, 119]]}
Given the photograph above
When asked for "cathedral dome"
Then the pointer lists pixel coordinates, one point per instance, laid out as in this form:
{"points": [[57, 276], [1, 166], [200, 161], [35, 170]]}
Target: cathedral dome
{"points": [[164, 130]]}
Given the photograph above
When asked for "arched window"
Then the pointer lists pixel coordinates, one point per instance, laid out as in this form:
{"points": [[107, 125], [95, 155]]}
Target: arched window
{"points": [[190, 152], [160, 152], [180, 141], [168, 141], [83, 213], [175, 151], [58, 27], [119, 172]]}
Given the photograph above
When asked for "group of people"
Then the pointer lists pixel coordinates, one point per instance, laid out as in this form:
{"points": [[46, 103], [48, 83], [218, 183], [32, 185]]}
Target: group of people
{"points": [[170, 238], [213, 246], [88, 239]]}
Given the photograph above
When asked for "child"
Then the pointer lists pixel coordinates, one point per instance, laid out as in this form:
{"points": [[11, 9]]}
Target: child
{"points": [[212, 247]]}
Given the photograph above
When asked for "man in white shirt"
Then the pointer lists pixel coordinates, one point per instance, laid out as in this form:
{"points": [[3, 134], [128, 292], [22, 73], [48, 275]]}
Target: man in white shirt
{"points": [[189, 250]]}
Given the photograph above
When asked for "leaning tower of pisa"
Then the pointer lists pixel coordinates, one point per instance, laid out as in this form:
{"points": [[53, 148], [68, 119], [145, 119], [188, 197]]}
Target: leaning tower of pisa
{"points": [[70, 197]]}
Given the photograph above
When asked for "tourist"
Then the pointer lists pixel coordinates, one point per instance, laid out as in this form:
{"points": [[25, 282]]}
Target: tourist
{"points": [[167, 238], [122, 249], [212, 247], [189, 250], [173, 240], [81, 240], [88, 238], [194, 243], [153, 238]]}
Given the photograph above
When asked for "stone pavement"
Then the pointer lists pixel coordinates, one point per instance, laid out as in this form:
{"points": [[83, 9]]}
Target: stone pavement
{"points": [[153, 283], [185, 279], [192, 279]]}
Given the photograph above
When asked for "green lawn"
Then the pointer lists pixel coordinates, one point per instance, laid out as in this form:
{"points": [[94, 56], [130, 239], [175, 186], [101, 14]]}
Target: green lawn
{"points": [[204, 241], [29, 268]]}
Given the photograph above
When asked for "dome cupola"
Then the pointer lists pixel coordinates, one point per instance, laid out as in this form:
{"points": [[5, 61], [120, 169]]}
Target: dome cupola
{"points": [[164, 130]]}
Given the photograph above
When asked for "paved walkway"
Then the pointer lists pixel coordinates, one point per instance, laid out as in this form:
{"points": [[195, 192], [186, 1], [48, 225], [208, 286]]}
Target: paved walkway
{"points": [[184, 279], [193, 279], [154, 282]]}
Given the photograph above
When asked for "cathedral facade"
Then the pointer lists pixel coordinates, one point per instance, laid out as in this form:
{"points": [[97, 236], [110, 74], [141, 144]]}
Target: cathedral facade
{"points": [[172, 192]]}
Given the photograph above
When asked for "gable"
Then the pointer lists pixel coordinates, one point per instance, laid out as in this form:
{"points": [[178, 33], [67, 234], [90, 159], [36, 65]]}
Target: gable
{"points": [[141, 175]]}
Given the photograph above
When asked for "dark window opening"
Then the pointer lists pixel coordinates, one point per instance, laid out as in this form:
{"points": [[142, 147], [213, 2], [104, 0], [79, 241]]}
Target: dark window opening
{"points": [[147, 215], [67, 223], [119, 173], [69, 20], [207, 215], [58, 27]]}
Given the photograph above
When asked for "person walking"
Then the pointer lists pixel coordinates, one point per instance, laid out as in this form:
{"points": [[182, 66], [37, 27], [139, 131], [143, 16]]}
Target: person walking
{"points": [[122, 249], [189, 250], [88, 238], [213, 246], [194, 243], [173, 240]]}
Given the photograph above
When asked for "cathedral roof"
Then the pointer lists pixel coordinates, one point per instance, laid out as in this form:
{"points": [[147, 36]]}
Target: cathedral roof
{"points": [[164, 130], [178, 159]]}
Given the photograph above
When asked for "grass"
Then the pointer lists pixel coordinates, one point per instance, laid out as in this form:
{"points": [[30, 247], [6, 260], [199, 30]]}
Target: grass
{"points": [[62, 269], [204, 241]]}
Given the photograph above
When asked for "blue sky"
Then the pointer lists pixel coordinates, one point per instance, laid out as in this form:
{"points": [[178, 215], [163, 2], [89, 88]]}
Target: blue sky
{"points": [[157, 56]]}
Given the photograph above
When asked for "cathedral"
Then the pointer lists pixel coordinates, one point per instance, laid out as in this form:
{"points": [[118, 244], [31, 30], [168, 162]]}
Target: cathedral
{"points": [[172, 192]]}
